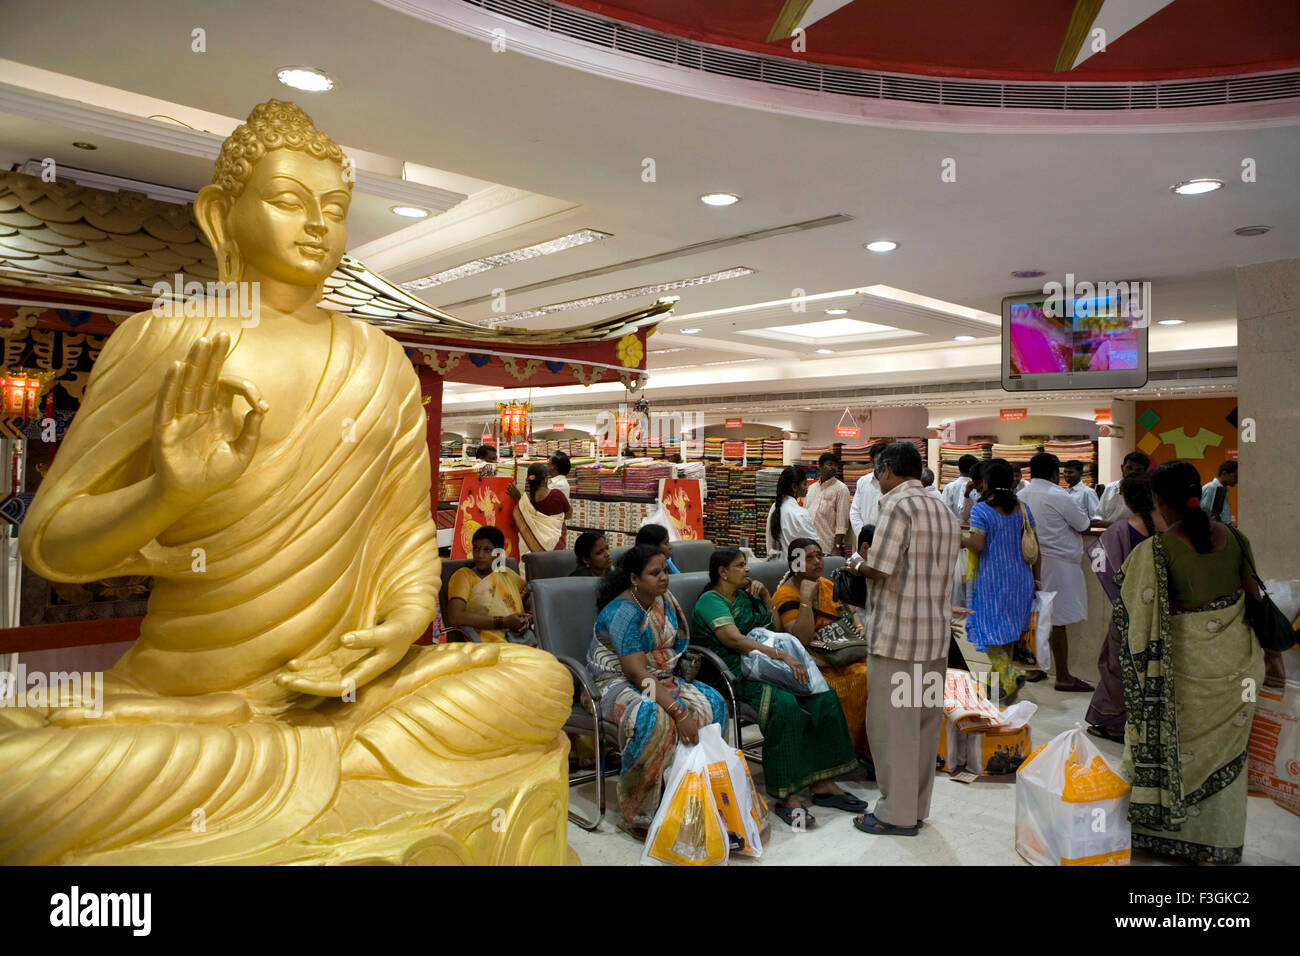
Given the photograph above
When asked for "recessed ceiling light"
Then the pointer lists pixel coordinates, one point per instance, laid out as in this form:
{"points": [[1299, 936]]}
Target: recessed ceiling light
{"points": [[304, 78], [1028, 273], [964, 338], [825, 351], [882, 245], [1194, 187], [81, 145], [1243, 231], [475, 266], [719, 199], [691, 331], [410, 212], [837, 311], [1170, 322]]}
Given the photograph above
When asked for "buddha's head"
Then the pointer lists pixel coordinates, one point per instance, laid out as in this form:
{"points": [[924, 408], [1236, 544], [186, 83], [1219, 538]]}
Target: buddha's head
{"points": [[278, 203]]}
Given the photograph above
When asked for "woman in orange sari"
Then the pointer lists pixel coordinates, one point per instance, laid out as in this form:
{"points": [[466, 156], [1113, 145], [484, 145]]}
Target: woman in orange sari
{"points": [[804, 602]]}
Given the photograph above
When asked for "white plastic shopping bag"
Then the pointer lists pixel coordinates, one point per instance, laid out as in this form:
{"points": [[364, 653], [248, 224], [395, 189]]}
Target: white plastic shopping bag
{"points": [[733, 792], [660, 516], [758, 666], [1274, 766], [1071, 806], [1039, 631], [687, 829]]}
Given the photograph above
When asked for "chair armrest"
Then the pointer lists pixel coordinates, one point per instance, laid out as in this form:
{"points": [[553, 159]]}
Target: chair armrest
{"points": [[717, 663], [462, 634], [581, 676]]}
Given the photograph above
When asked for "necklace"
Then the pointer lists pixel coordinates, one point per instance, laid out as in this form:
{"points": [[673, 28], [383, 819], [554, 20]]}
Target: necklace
{"points": [[636, 597]]}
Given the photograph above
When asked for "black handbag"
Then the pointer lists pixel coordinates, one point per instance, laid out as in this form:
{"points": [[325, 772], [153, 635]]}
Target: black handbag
{"points": [[839, 643], [1272, 629]]}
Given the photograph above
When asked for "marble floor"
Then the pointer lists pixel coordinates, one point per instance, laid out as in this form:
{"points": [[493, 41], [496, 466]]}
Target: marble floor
{"points": [[969, 824]]}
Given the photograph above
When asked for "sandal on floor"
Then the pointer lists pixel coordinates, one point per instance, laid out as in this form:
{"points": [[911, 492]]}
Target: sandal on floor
{"points": [[1076, 686], [1034, 675], [787, 815], [1105, 735], [840, 801], [868, 823]]}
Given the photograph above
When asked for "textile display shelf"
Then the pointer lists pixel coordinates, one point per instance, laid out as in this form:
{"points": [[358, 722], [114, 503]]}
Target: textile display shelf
{"points": [[1075, 448], [951, 452]]}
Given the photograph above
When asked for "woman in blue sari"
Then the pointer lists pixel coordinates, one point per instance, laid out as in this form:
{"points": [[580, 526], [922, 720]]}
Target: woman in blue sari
{"points": [[641, 634]]}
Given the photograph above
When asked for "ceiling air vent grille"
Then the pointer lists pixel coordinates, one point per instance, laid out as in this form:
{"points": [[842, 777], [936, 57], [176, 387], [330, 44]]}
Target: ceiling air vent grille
{"points": [[799, 74]]}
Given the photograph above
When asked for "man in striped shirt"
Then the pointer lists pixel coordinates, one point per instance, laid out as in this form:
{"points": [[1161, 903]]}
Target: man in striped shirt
{"points": [[911, 567]]}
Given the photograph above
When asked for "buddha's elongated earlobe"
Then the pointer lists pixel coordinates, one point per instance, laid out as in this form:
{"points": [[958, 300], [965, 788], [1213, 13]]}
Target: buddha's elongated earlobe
{"points": [[211, 206]]}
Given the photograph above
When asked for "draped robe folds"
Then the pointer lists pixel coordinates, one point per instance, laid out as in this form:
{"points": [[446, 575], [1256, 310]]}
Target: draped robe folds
{"points": [[327, 531]]}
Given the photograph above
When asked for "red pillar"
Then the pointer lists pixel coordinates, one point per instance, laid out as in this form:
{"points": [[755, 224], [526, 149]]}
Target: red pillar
{"points": [[431, 388]]}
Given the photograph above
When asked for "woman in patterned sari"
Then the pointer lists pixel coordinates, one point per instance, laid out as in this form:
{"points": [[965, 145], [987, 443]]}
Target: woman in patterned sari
{"points": [[641, 634], [1190, 663], [805, 740], [486, 598], [804, 602]]}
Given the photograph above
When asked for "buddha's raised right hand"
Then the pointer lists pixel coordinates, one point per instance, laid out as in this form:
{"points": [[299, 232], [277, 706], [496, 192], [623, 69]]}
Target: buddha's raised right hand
{"points": [[195, 449]]}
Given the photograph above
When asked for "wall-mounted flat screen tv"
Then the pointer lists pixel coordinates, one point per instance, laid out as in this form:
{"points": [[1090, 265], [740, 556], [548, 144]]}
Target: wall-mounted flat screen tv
{"points": [[1076, 335]]}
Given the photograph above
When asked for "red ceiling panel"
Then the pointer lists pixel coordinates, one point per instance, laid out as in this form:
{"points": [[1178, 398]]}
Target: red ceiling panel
{"points": [[994, 39]]}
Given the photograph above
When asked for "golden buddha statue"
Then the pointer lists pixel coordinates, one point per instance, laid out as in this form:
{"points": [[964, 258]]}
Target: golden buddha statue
{"points": [[272, 476]]}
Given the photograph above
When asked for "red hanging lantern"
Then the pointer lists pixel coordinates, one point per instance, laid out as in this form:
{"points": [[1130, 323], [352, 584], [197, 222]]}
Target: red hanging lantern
{"points": [[513, 417]]}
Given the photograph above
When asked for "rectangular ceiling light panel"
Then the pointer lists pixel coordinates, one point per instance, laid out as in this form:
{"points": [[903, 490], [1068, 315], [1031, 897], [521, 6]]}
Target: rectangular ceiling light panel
{"points": [[484, 264]]}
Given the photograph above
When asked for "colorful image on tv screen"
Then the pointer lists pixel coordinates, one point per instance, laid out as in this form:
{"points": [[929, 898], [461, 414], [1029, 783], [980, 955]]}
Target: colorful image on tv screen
{"points": [[1043, 344], [1040, 344]]}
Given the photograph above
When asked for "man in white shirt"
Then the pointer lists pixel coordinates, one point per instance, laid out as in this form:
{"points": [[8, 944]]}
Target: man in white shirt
{"points": [[927, 482], [557, 470], [1112, 502], [1084, 496], [1058, 519], [1021, 484], [1226, 479], [866, 497], [955, 490]]}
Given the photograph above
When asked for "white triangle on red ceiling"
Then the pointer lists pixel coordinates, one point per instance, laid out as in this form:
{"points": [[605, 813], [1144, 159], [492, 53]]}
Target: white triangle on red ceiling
{"points": [[1116, 18], [820, 10]]}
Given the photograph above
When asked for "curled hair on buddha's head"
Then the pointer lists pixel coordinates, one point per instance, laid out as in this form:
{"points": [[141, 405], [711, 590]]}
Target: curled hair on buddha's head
{"points": [[274, 124]]}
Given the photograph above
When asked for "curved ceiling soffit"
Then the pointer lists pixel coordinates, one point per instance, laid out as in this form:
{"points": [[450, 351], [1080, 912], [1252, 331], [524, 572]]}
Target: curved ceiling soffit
{"points": [[1246, 102]]}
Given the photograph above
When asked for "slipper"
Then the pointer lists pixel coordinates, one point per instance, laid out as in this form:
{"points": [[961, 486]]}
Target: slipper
{"points": [[840, 801], [1098, 732], [1035, 675], [868, 823], [787, 815], [1075, 686]]}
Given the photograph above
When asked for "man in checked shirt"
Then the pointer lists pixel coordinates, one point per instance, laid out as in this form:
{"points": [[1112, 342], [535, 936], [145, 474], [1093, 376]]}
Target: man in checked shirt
{"points": [[911, 568]]}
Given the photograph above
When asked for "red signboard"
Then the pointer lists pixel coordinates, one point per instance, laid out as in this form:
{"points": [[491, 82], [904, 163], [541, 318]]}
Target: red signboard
{"points": [[521, 448], [557, 428], [487, 438], [733, 449], [1101, 416], [734, 423], [1230, 454], [848, 431], [1012, 414]]}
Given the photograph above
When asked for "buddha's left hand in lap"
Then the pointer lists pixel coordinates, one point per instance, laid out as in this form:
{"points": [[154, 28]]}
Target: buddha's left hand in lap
{"points": [[381, 647]]}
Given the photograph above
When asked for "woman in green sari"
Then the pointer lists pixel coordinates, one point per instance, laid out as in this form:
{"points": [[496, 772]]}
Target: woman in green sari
{"points": [[805, 740], [1191, 666]]}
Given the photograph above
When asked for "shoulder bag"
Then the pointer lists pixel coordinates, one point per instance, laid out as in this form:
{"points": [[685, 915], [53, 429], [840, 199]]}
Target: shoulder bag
{"points": [[1272, 629], [1028, 537]]}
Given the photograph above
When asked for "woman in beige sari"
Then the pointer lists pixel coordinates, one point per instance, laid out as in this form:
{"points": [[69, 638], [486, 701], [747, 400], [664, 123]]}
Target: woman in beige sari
{"points": [[487, 598], [540, 513], [1190, 665]]}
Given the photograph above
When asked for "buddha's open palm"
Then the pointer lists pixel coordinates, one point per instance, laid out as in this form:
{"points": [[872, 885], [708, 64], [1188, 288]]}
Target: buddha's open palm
{"points": [[195, 448]]}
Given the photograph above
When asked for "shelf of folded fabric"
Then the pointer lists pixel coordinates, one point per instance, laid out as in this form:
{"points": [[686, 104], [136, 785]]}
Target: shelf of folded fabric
{"points": [[1079, 448], [951, 452]]}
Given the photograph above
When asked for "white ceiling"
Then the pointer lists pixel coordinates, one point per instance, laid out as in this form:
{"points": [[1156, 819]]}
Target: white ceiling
{"points": [[1094, 204]]}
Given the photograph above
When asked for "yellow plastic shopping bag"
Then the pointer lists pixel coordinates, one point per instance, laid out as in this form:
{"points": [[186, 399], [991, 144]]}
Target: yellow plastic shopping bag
{"points": [[1071, 807], [733, 792], [687, 829]]}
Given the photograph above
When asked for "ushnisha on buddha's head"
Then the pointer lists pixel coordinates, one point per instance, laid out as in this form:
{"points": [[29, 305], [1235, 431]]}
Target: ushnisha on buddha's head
{"points": [[276, 211]]}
